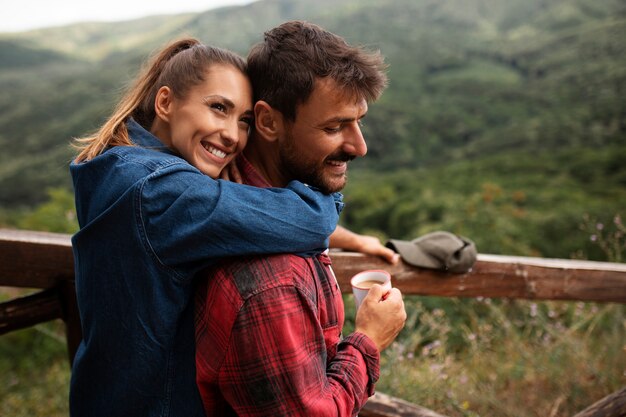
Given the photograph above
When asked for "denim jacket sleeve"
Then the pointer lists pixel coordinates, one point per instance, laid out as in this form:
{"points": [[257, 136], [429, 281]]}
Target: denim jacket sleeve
{"points": [[189, 220]]}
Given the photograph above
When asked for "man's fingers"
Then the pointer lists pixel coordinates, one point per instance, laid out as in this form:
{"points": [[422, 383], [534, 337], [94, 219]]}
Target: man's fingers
{"points": [[380, 293], [376, 292], [394, 294], [390, 256], [235, 174]]}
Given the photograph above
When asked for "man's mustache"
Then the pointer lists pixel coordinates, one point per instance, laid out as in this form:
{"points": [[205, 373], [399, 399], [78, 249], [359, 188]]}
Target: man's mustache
{"points": [[341, 157]]}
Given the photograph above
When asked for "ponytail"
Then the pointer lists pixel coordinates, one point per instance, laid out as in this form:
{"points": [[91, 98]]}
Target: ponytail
{"points": [[138, 102]]}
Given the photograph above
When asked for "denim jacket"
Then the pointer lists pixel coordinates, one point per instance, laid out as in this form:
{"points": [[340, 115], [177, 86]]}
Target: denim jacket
{"points": [[149, 222]]}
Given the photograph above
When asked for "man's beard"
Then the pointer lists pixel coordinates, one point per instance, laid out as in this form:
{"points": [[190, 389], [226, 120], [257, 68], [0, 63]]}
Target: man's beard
{"points": [[311, 172]]}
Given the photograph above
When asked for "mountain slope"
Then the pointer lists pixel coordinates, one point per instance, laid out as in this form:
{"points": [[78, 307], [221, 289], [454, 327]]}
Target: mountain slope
{"points": [[468, 78]]}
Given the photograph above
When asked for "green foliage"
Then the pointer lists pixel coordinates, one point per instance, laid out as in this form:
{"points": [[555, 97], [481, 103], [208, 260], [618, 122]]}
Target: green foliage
{"points": [[608, 237], [472, 354], [56, 215], [14, 55], [509, 358], [520, 203], [34, 371]]}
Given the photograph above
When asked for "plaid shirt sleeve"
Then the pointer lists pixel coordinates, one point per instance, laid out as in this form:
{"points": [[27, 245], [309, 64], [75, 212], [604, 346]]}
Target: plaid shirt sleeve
{"points": [[274, 353]]}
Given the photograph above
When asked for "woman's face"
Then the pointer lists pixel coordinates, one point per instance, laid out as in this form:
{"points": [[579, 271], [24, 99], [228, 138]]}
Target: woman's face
{"points": [[209, 126]]}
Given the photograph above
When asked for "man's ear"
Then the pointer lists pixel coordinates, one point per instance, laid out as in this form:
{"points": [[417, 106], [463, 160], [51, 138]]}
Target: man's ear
{"points": [[163, 103], [268, 121]]}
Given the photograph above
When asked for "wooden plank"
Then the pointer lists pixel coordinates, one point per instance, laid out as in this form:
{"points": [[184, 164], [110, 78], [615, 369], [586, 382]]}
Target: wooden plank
{"points": [[613, 405], [383, 405], [499, 276], [41, 260], [34, 259], [30, 310]]}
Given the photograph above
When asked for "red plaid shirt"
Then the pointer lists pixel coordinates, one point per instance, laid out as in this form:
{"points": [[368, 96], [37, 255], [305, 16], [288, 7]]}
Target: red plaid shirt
{"points": [[268, 339]]}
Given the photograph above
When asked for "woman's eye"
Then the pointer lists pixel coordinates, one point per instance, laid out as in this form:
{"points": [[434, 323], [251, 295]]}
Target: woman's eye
{"points": [[219, 107]]}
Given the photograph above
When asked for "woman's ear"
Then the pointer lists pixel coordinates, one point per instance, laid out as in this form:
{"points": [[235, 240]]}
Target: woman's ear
{"points": [[268, 121], [163, 103]]}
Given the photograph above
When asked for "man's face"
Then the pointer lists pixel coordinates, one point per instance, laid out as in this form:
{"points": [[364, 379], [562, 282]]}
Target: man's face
{"points": [[326, 134]]}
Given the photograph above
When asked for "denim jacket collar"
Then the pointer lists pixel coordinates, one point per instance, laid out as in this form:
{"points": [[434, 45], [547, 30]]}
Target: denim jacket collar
{"points": [[145, 139]]}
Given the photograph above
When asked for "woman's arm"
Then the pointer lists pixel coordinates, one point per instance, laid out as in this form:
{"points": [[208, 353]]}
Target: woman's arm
{"points": [[191, 220], [341, 238]]}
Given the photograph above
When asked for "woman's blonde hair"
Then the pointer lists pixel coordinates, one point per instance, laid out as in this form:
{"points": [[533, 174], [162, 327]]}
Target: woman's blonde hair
{"points": [[180, 66]]}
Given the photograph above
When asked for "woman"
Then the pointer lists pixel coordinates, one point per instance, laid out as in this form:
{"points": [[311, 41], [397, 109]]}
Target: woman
{"points": [[152, 215]]}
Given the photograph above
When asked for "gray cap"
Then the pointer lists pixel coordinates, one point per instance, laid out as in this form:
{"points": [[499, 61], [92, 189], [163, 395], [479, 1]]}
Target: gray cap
{"points": [[437, 250]]}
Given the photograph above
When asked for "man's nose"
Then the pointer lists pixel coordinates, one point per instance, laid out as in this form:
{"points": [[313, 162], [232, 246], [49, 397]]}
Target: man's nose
{"points": [[355, 142]]}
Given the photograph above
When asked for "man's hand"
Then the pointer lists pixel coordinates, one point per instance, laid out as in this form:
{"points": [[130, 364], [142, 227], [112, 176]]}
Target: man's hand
{"points": [[231, 173], [345, 239], [371, 245], [381, 315]]}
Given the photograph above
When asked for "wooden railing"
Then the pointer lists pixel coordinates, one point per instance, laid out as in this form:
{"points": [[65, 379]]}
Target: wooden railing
{"points": [[44, 261]]}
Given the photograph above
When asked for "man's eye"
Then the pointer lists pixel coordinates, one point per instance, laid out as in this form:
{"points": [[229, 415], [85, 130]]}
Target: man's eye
{"points": [[246, 124], [332, 129]]}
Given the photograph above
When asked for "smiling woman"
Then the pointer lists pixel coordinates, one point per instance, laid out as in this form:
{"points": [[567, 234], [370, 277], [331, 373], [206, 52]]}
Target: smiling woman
{"points": [[192, 93], [209, 126], [152, 215]]}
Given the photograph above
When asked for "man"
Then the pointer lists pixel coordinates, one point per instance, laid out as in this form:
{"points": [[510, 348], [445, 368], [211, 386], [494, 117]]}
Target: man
{"points": [[268, 329]]}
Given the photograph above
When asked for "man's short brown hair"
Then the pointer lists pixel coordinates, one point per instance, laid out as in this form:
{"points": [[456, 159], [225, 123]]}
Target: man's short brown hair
{"points": [[283, 67]]}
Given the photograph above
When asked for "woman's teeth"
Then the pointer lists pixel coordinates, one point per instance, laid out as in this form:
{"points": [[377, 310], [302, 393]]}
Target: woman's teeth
{"points": [[214, 151]]}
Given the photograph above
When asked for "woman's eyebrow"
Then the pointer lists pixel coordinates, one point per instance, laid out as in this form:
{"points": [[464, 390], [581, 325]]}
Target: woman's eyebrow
{"points": [[226, 101]]}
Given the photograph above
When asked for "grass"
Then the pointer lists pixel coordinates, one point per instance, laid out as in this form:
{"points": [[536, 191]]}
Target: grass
{"points": [[34, 372], [507, 358]]}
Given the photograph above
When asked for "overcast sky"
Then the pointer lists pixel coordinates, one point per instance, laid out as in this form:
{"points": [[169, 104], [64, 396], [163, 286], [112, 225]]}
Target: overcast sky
{"points": [[19, 15]]}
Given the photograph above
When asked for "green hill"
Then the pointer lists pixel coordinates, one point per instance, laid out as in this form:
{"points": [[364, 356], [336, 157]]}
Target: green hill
{"points": [[521, 96], [18, 55]]}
